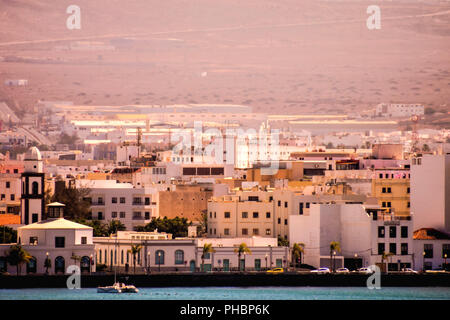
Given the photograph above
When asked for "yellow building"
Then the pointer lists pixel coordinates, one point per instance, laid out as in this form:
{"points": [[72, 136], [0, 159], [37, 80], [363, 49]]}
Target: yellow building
{"points": [[393, 194]]}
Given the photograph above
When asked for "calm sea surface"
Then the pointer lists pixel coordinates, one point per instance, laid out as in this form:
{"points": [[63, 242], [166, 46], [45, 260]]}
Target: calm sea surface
{"points": [[233, 293]]}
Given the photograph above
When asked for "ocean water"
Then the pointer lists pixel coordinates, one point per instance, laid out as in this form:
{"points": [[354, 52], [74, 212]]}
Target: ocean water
{"points": [[234, 293]]}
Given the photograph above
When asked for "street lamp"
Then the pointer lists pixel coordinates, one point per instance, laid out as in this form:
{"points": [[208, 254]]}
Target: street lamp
{"points": [[91, 262], [159, 261], [334, 261], [356, 257], [445, 261], [148, 262], [266, 259], [47, 263], [423, 267], [243, 269]]}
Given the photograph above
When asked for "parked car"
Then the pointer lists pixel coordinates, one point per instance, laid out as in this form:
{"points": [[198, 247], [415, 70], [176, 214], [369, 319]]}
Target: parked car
{"points": [[276, 270], [343, 270], [321, 270], [409, 270], [435, 271], [365, 270]]}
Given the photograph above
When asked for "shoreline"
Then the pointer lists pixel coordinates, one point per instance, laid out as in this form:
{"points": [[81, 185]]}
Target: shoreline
{"points": [[159, 280]]}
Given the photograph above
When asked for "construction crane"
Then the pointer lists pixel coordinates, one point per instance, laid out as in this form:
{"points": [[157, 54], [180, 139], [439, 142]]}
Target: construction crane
{"points": [[138, 142]]}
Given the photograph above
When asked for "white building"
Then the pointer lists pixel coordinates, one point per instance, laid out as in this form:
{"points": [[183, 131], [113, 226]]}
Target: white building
{"points": [[430, 192], [121, 201], [61, 241], [399, 110], [431, 249], [363, 232]]}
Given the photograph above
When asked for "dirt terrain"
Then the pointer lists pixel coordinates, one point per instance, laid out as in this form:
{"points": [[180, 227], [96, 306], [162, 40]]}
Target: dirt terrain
{"points": [[285, 56]]}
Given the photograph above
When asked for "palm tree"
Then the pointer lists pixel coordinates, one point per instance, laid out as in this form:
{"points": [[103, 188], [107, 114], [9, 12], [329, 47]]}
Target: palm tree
{"points": [[243, 249], [207, 248], [334, 246], [17, 256], [384, 257], [135, 248], [297, 251]]}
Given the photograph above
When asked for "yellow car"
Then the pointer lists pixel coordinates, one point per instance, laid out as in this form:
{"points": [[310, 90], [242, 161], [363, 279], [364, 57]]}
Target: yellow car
{"points": [[276, 270]]}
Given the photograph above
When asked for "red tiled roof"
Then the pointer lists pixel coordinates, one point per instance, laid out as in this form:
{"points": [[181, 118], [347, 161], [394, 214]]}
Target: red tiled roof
{"points": [[430, 234]]}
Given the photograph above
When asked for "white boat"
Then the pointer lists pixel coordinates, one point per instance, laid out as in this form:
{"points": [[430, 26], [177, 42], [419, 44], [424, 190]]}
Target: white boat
{"points": [[109, 289], [117, 287]]}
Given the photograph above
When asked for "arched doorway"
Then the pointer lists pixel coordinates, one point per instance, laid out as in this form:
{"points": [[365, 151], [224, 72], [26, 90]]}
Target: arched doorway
{"points": [[85, 264], [192, 265], [32, 265], [60, 264]]}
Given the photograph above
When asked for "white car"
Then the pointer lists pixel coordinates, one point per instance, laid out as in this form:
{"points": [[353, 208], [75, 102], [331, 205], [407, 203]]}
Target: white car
{"points": [[343, 270], [409, 270], [321, 270], [365, 270]]}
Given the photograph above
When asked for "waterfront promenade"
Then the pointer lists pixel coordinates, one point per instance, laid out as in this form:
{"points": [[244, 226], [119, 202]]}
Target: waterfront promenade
{"points": [[229, 280]]}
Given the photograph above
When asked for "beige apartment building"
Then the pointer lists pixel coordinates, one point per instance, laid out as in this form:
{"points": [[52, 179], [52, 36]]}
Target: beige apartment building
{"points": [[184, 201], [266, 213]]}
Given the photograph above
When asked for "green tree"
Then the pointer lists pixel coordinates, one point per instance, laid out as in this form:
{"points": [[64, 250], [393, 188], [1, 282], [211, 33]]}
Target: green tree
{"points": [[283, 242], [207, 248], [7, 235], [100, 229], [242, 249], [334, 246], [113, 226], [384, 257], [17, 256], [76, 201], [177, 226], [297, 251], [135, 248], [202, 229]]}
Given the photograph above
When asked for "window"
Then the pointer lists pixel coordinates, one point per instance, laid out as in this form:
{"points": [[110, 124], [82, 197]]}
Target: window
{"points": [[404, 249], [147, 215], [268, 215], [300, 208], [285, 222], [381, 248], [60, 242], [381, 232], [268, 232], [255, 215], [114, 200], [244, 215], [34, 188], [147, 201], [100, 216], [179, 257], [8, 184], [408, 190], [226, 231], [307, 205], [13, 197], [114, 214], [279, 220], [428, 249], [244, 232], [392, 232], [122, 199], [383, 190], [404, 231], [122, 214], [285, 204], [253, 198], [226, 215], [83, 240], [255, 232], [137, 200], [393, 248], [100, 200], [409, 204], [33, 241], [137, 215], [279, 203]]}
